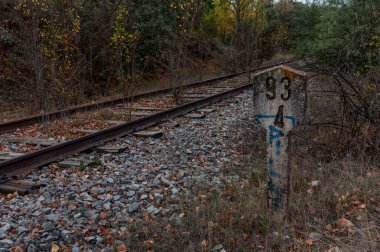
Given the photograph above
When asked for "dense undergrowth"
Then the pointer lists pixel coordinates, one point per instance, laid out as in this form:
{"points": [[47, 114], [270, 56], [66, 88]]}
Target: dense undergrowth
{"points": [[55, 53]]}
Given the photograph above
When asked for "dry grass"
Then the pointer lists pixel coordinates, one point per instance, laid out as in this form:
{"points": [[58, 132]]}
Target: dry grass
{"points": [[348, 189], [233, 216], [236, 215], [107, 114], [329, 182]]}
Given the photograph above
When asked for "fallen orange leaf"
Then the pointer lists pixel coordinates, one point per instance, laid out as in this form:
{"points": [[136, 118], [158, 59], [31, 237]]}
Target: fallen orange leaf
{"points": [[121, 248], [205, 243], [309, 242], [344, 223], [54, 248]]}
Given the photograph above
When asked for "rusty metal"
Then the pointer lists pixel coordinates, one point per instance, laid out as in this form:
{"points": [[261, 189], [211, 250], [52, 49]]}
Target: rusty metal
{"points": [[12, 125], [15, 166], [47, 155]]}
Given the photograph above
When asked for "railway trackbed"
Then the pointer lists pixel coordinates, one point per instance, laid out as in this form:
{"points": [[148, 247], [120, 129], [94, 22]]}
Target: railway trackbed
{"points": [[123, 117]]}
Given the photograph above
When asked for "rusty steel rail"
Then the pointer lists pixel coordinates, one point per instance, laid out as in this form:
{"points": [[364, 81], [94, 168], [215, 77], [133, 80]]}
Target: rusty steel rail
{"points": [[16, 166], [47, 155], [12, 125]]}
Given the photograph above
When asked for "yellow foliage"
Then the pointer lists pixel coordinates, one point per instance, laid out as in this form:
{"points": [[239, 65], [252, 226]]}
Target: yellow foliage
{"points": [[55, 38], [226, 13]]}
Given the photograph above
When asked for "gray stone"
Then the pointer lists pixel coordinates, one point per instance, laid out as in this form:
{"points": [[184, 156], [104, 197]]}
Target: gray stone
{"points": [[5, 228], [217, 248], [315, 236], [89, 239], [175, 220], [133, 207], [174, 190], [107, 206], [166, 182], [108, 198], [48, 226], [51, 238], [152, 210], [75, 249], [186, 235], [158, 195], [154, 182], [130, 193], [143, 197], [118, 242], [21, 230], [6, 243], [32, 248], [53, 217], [101, 191], [233, 179], [184, 159]]}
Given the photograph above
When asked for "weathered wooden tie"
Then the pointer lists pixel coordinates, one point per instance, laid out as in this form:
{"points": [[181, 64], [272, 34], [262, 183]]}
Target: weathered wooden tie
{"points": [[112, 148], [19, 186], [83, 131], [195, 96], [206, 111], [170, 124], [195, 115], [135, 114], [75, 163], [147, 108], [34, 141], [9, 155], [147, 133], [116, 122]]}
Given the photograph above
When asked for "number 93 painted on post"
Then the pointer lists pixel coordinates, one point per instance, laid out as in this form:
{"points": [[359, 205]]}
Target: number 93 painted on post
{"points": [[279, 104]]}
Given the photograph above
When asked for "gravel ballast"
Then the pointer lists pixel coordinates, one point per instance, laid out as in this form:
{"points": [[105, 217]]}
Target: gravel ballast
{"points": [[151, 177]]}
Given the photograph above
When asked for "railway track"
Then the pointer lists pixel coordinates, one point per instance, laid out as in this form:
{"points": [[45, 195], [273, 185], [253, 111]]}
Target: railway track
{"points": [[146, 110]]}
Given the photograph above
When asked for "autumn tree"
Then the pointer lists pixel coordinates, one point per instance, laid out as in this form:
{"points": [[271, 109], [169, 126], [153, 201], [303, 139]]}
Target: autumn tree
{"points": [[49, 31], [239, 25]]}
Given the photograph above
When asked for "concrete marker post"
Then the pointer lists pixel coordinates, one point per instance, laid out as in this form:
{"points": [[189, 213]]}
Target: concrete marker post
{"points": [[280, 104]]}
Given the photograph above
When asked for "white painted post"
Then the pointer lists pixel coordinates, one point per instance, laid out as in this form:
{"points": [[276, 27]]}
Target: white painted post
{"points": [[279, 104]]}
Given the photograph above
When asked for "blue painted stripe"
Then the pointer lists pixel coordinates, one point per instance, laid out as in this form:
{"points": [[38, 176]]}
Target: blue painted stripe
{"points": [[289, 117], [265, 116], [274, 133], [272, 173], [294, 121], [278, 148]]}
